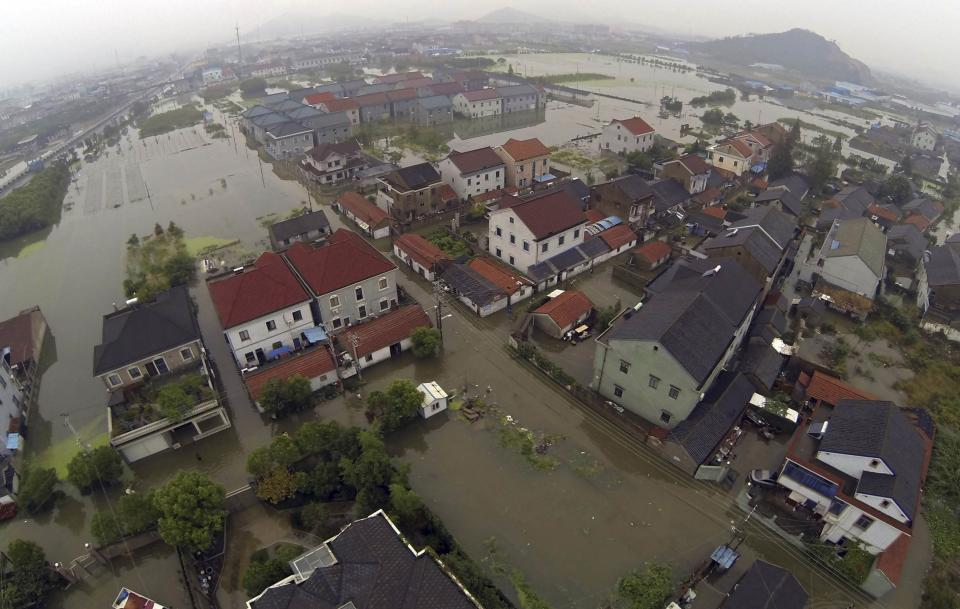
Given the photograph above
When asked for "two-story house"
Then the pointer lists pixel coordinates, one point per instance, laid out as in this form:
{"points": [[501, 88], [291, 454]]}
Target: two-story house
{"points": [[148, 339], [628, 197], [691, 170], [413, 191], [525, 160], [924, 137], [478, 104], [311, 226], [852, 257], [623, 136], [374, 107], [288, 139], [349, 280], [335, 163], [263, 310], [473, 172], [529, 230], [732, 155], [347, 106], [432, 110], [521, 98], [658, 359], [758, 242]]}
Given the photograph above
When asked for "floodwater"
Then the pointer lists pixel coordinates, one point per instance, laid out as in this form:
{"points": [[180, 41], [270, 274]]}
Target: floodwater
{"points": [[606, 506]]}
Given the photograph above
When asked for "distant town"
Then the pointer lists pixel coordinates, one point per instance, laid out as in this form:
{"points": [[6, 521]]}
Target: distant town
{"points": [[500, 314]]}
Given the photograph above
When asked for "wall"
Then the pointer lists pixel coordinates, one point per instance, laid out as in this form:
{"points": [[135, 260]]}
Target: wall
{"points": [[730, 162], [349, 306], [471, 184], [617, 138], [261, 338], [523, 259], [290, 146], [172, 358], [413, 264], [876, 538], [11, 397]]}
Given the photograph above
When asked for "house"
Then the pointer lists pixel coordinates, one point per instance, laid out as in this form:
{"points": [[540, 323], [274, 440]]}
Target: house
{"points": [[781, 198], [13, 398], [472, 289], [263, 310], [760, 362], [315, 364], [690, 170], [397, 77], [347, 106], [335, 163], [374, 107], [434, 399], [562, 313], [470, 80], [478, 103], [856, 200], [906, 242], [572, 262], [924, 137], [618, 239], [707, 221], [267, 69], [623, 136], [629, 197], [473, 172], [386, 336], [528, 230], [258, 124], [411, 192], [403, 104], [858, 468], [211, 75], [329, 128], [941, 296], [852, 257], [669, 197], [924, 207], [515, 286], [425, 258], [348, 279], [525, 160], [432, 110], [766, 586], [385, 573], [521, 98], [21, 347], [732, 155], [288, 139], [369, 218], [310, 226], [651, 255], [759, 242], [656, 360], [795, 183]]}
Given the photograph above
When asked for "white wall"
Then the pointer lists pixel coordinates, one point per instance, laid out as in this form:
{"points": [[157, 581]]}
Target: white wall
{"points": [[884, 504], [730, 162], [876, 538], [849, 273], [412, 263], [477, 109], [11, 397], [617, 138], [471, 184], [525, 258], [853, 465], [261, 338]]}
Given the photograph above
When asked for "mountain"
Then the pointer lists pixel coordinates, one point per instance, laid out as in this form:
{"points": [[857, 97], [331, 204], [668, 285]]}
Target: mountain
{"points": [[800, 50], [512, 15]]}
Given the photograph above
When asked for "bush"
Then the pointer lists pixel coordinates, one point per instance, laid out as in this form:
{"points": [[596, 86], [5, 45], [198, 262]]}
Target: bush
{"points": [[261, 574], [647, 588], [397, 406], [37, 485], [102, 464], [283, 396], [426, 341], [279, 484], [190, 511], [313, 516], [28, 579], [173, 402]]}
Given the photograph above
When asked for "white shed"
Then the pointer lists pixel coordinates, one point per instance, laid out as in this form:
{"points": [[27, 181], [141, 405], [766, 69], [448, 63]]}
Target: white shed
{"points": [[434, 399]]}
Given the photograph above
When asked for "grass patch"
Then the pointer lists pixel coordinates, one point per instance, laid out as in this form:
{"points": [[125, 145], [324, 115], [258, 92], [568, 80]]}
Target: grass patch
{"points": [[156, 262], [158, 124], [528, 444], [573, 158], [197, 246], [451, 245], [31, 247], [59, 454], [788, 122], [556, 79], [216, 130]]}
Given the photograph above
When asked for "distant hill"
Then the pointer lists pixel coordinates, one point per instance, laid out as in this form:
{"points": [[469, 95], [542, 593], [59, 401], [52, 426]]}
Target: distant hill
{"points": [[800, 50], [511, 15]]}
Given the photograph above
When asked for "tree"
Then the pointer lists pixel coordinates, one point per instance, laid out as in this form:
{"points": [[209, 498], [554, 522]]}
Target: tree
{"points": [[174, 231], [510, 69], [157, 230], [180, 269], [426, 341], [191, 511], [399, 404], [313, 516], [253, 86], [37, 486], [173, 402], [281, 396], [134, 513], [713, 116], [405, 504], [102, 464], [370, 473], [905, 166], [263, 573], [279, 484], [821, 164], [782, 160], [29, 579], [133, 241], [646, 588], [838, 146], [897, 187]]}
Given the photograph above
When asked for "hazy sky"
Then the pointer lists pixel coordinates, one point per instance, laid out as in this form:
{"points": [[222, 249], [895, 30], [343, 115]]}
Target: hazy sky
{"points": [[44, 38]]}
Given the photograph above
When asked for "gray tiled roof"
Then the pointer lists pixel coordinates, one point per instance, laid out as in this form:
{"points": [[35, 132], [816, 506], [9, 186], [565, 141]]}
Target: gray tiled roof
{"points": [[287, 129], [943, 267], [668, 193], [434, 102], [693, 312], [767, 586], [924, 207], [855, 199], [146, 329], [633, 187], [857, 237], [763, 250], [517, 90], [776, 224], [788, 200], [257, 110], [772, 317], [304, 112], [334, 119], [265, 120], [761, 361], [471, 284], [879, 430], [299, 225], [907, 239], [795, 183], [701, 432]]}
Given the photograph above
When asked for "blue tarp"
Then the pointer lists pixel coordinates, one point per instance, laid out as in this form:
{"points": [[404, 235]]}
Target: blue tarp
{"points": [[13, 441], [545, 177], [275, 353], [724, 556], [759, 168], [315, 335]]}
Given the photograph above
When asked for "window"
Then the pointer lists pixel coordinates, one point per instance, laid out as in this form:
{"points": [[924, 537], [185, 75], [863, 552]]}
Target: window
{"points": [[336, 322], [654, 382], [526, 246], [334, 301], [277, 345], [134, 373], [837, 507], [368, 358], [499, 253], [500, 232], [297, 315], [161, 365], [511, 219], [545, 247], [665, 416], [384, 304], [362, 311], [250, 357], [519, 168], [618, 391], [875, 463], [244, 335], [271, 326], [576, 233], [624, 366], [885, 503], [114, 380], [186, 354], [384, 283], [358, 292], [498, 174], [486, 177], [561, 239], [469, 182], [863, 522], [512, 261], [674, 392], [513, 239]]}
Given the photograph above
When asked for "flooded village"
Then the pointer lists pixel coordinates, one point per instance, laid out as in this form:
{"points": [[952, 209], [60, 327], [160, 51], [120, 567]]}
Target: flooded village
{"points": [[560, 316]]}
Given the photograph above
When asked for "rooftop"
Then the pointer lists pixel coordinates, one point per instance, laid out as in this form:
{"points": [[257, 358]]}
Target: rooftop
{"points": [[635, 125], [346, 259], [547, 214], [309, 364], [857, 237], [425, 253], [712, 418], [266, 287], [767, 586], [384, 331], [472, 285], [521, 150], [413, 177], [499, 275], [566, 308], [362, 209], [472, 161], [481, 95]]}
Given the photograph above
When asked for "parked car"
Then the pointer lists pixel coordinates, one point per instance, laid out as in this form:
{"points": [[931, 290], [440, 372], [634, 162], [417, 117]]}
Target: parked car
{"points": [[763, 477]]}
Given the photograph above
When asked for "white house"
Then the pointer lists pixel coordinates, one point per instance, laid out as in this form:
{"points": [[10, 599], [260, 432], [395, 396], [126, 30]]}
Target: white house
{"points": [[852, 256], [385, 337], [473, 172], [526, 231], [731, 155], [434, 399], [263, 310], [478, 104], [624, 136], [423, 257], [11, 394], [924, 138], [211, 75]]}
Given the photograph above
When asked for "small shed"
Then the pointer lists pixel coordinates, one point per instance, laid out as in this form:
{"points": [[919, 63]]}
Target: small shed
{"points": [[563, 312], [434, 399]]}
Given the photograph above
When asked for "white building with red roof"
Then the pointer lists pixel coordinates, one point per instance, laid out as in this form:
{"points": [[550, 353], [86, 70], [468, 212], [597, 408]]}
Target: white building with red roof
{"points": [[473, 172], [263, 310], [478, 104], [423, 257], [623, 136], [383, 338], [562, 313], [526, 231]]}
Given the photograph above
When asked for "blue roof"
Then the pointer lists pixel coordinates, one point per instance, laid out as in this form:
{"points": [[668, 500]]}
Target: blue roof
{"points": [[724, 556], [315, 335], [544, 177], [275, 353]]}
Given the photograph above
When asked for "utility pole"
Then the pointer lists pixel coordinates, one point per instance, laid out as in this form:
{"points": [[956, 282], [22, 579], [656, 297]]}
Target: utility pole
{"points": [[239, 54], [438, 298], [354, 342]]}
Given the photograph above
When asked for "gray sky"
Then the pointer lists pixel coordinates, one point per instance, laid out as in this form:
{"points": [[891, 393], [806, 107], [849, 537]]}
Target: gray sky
{"points": [[43, 38]]}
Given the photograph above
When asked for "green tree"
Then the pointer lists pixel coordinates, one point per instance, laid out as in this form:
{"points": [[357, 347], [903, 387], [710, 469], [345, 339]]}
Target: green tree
{"points": [[647, 588], [905, 166], [191, 511], [370, 473], [102, 464], [396, 406], [897, 187], [313, 516], [29, 579], [316, 437], [261, 574], [173, 402], [133, 241], [133, 513], [252, 87], [405, 504], [37, 488], [426, 341], [282, 396], [713, 117], [821, 164], [280, 484], [180, 269], [782, 160], [838, 146]]}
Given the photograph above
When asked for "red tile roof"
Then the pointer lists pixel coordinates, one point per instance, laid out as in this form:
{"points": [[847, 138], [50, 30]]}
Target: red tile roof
{"points": [[446, 88], [309, 364], [385, 330], [741, 147], [447, 193], [421, 250], [695, 164], [494, 194], [890, 561], [830, 390], [593, 215], [398, 77], [716, 212], [362, 209], [919, 221], [636, 125], [346, 259], [402, 95], [548, 214], [653, 250], [618, 236], [496, 274], [521, 150], [566, 308], [371, 99], [481, 95], [883, 212], [472, 161], [341, 105], [266, 287], [17, 333], [323, 151], [316, 98]]}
